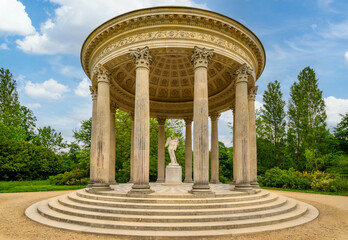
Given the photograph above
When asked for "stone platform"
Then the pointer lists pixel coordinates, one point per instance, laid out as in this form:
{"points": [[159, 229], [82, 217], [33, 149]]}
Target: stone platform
{"points": [[171, 212]]}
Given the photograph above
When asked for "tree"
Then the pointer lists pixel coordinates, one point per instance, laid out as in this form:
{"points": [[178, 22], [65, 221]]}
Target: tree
{"points": [[83, 135], [307, 127], [341, 133], [273, 115], [49, 138], [13, 116]]}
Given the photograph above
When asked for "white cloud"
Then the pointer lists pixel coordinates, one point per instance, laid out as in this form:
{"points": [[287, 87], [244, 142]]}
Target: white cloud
{"points": [[13, 18], [48, 90], [346, 57], [82, 89], [4, 46], [335, 107], [33, 105], [75, 19]]}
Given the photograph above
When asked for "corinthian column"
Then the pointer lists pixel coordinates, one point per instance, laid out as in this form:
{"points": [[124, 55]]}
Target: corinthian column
{"points": [[200, 59], [252, 138], [102, 154], [132, 149], [161, 150], [234, 141], [93, 136], [241, 145], [188, 150], [141, 121], [214, 154], [113, 108]]}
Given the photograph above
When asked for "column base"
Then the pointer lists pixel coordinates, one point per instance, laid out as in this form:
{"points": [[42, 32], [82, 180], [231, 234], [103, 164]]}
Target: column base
{"points": [[244, 188], [130, 181], [90, 184], [188, 181], [101, 187], [160, 181], [139, 190], [255, 185], [202, 190], [215, 182], [113, 183]]}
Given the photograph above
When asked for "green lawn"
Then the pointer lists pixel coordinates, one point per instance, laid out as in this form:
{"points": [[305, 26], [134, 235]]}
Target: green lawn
{"points": [[344, 193], [33, 186]]}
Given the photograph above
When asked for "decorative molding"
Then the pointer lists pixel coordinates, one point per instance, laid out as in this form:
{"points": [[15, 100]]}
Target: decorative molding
{"points": [[253, 92], [101, 73], [214, 116], [201, 56], [142, 57], [94, 93], [173, 34], [161, 120], [242, 73]]}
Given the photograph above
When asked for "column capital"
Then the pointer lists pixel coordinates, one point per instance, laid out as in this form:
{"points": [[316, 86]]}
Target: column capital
{"points": [[214, 116], [201, 56], [161, 120], [94, 93], [188, 120], [253, 92], [102, 74], [141, 57], [113, 107], [243, 73]]}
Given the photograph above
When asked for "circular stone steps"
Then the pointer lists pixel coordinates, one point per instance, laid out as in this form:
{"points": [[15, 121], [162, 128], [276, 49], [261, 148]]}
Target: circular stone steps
{"points": [[171, 212]]}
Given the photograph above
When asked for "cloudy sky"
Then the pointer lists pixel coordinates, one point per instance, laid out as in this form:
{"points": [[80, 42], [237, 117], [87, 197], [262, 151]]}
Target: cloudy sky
{"points": [[40, 42]]}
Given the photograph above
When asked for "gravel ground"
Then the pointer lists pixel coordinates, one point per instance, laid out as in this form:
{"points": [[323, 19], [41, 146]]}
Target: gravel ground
{"points": [[332, 222]]}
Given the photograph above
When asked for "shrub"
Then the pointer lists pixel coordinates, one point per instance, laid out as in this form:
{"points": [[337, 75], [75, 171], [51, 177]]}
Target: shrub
{"points": [[74, 177]]}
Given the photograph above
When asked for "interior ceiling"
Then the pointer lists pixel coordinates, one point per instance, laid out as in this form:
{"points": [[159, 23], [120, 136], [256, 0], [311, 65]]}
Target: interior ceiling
{"points": [[172, 78]]}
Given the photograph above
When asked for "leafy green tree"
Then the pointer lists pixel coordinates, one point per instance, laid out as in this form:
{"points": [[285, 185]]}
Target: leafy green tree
{"points": [[273, 115], [225, 163], [341, 133], [307, 127], [49, 138], [83, 135]]}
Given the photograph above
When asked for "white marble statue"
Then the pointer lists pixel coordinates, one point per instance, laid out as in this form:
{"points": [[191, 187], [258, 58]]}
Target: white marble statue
{"points": [[172, 145]]}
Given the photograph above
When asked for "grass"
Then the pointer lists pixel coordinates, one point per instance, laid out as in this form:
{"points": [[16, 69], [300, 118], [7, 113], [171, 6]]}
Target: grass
{"points": [[33, 186], [343, 193]]}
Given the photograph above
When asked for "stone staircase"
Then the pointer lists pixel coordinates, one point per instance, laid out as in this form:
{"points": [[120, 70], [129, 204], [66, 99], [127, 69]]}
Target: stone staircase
{"points": [[171, 212]]}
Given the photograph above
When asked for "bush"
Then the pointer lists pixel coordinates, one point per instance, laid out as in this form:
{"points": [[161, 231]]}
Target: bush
{"points": [[20, 160], [75, 177]]}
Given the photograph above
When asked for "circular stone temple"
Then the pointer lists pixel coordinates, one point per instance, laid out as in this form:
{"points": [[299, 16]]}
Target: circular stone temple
{"points": [[173, 63]]}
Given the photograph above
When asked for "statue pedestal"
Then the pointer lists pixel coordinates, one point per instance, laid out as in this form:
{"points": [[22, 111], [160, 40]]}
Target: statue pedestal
{"points": [[173, 174]]}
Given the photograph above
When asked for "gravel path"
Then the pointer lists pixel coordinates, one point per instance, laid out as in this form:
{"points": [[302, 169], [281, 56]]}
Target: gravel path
{"points": [[331, 224]]}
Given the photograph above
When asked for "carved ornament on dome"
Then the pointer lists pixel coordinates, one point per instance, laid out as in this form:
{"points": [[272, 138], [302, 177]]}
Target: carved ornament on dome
{"points": [[201, 56], [253, 92], [174, 34], [141, 56]]}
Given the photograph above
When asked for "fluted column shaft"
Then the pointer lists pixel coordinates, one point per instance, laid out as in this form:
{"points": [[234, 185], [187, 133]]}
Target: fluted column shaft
{"points": [[241, 147], [93, 136], [200, 117], [234, 141], [103, 128], [252, 138], [214, 154], [161, 150], [141, 121], [188, 150], [112, 176], [132, 149]]}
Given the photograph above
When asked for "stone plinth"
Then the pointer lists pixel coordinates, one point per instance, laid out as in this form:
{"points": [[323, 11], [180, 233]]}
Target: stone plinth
{"points": [[173, 174]]}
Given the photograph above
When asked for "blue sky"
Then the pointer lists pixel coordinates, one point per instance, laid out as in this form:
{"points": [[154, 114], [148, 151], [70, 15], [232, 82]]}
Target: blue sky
{"points": [[40, 42]]}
